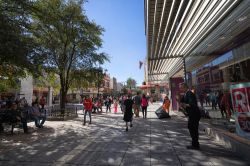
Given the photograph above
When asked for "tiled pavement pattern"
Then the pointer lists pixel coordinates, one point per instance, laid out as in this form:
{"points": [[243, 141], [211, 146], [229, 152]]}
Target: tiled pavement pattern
{"points": [[149, 142]]}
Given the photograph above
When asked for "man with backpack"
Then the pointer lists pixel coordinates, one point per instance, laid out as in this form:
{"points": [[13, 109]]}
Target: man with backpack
{"points": [[137, 104]]}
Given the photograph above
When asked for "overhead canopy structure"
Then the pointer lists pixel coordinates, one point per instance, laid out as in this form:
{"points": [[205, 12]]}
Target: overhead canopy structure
{"points": [[192, 29]]}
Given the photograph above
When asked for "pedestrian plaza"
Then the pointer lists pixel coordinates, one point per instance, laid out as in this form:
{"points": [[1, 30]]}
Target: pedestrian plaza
{"points": [[150, 141]]}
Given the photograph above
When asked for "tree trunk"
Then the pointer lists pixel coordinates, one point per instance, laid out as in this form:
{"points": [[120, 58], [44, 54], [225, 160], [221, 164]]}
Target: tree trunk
{"points": [[63, 100], [63, 94]]}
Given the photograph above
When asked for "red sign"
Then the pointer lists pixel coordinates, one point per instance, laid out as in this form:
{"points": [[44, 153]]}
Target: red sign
{"points": [[240, 94], [244, 122], [240, 99]]}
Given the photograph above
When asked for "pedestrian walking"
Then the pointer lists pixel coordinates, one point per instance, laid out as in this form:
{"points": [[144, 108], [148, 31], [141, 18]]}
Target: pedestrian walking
{"points": [[122, 99], [108, 103], [87, 102], [144, 106], [128, 114], [137, 104], [213, 99], [115, 106], [189, 102]]}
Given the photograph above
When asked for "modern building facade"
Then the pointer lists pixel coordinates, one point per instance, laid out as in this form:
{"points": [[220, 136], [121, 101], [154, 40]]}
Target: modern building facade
{"points": [[205, 43]]}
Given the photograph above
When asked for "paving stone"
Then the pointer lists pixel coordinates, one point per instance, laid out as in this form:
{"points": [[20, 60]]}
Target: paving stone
{"points": [[117, 147], [161, 148], [109, 158], [136, 159], [235, 161], [139, 148], [96, 146], [149, 142], [164, 159], [84, 158]]}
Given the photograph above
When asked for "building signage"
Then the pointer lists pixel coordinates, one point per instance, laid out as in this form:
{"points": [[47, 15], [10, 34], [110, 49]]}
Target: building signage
{"points": [[240, 95]]}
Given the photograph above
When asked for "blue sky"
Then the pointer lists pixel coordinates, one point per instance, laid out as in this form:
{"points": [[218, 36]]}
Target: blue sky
{"points": [[124, 37]]}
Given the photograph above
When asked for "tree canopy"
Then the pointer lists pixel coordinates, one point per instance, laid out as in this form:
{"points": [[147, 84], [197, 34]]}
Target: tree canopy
{"points": [[69, 40], [131, 83], [18, 47], [52, 36]]}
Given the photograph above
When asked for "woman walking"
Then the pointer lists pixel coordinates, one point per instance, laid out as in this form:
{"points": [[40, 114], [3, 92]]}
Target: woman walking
{"points": [[128, 114], [115, 106], [144, 105]]}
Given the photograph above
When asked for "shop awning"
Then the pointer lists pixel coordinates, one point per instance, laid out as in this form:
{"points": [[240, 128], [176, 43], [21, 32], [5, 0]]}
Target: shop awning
{"points": [[192, 29]]}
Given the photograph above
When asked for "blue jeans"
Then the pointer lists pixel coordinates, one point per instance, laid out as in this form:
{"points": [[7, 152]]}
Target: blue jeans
{"points": [[37, 120], [85, 114]]}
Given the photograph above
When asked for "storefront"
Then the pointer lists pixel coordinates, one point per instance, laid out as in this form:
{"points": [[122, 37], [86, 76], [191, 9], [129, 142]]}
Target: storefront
{"points": [[229, 68], [156, 91]]}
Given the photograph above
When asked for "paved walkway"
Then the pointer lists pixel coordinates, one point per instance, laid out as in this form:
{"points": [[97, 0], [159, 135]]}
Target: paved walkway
{"points": [[150, 142]]}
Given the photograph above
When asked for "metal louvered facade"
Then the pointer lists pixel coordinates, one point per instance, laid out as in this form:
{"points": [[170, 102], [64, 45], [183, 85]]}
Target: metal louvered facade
{"points": [[192, 29]]}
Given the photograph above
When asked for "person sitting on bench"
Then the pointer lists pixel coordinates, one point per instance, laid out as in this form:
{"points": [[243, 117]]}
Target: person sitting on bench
{"points": [[37, 116], [16, 116]]}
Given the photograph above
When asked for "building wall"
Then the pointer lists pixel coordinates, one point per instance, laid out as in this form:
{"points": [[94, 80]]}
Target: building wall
{"points": [[113, 84], [26, 89], [175, 91], [119, 86]]}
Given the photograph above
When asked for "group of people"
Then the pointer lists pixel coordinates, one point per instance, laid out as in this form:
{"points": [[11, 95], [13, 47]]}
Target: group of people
{"points": [[18, 111], [129, 106], [217, 99], [137, 103]]}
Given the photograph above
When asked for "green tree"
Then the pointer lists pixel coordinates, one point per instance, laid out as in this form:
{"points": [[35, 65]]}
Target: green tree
{"points": [[124, 90], [69, 40], [87, 78], [48, 79], [131, 83], [17, 48]]}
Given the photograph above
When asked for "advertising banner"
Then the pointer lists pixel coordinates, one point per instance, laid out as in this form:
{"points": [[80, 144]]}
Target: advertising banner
{"points": [[240, 95]]}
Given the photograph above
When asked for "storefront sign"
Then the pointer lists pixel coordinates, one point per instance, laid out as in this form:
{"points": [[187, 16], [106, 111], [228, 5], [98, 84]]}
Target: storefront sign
{"points": [[240, 95]]}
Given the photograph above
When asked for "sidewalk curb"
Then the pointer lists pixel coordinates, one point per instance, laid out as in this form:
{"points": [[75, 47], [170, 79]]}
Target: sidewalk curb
{"points": [[230, 140]]}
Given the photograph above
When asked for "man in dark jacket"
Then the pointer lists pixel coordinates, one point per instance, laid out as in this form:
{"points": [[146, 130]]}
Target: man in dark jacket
{"points": [[189, 102]]}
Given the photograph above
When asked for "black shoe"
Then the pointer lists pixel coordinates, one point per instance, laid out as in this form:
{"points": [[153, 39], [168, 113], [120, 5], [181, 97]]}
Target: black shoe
{"points": [[89, 122], [131, 125], [126, 128], [84, 124], [193, 147]]}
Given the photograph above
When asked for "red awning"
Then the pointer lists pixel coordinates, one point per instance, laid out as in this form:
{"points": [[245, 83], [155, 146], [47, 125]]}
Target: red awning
{"points": [[146, 86]]}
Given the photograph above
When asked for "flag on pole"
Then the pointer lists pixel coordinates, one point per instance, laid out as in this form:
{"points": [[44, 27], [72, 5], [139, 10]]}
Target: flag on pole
{"points": [[140, 64]]}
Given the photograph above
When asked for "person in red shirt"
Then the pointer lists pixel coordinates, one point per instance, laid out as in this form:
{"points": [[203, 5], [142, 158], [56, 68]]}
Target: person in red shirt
{"points": [[87, 103]]}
